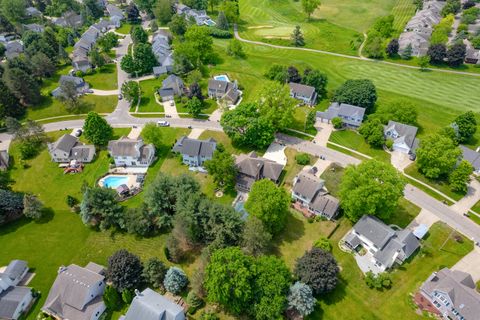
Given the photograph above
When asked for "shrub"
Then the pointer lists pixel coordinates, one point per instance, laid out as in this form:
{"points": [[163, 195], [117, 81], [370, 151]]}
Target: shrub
{"points": [[379, 281], [302, 159], [337, 122], [71, 201], [127, 296], [323, 243], [219, 33], [194, 302], [207, 315], [389, 144], [112, 298], [175, 280]]}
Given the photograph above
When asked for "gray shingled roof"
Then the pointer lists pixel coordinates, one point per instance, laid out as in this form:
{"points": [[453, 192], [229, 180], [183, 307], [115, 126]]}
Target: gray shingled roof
{"points": [[374, 230], [150, 305], [302, 89], [10, 299], [253, 166], [342, 110], [471, 156], [218, 85], [326, 204], [123, 147], [15, 269], [307, 185], [65, 143], [406, 133], [195, 147], [173, 82]]}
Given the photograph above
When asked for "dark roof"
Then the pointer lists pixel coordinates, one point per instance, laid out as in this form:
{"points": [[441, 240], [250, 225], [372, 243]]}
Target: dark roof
{"points": [[374, 230], [406, 133], [302, 89], [218, 85], [173, 82], [124, 147], [76, 80], [471, 156], [10, 299], [65, 143], [307, 185], [150, 305], [326, 204], [342, 110], [253, 166], [195, 147]]}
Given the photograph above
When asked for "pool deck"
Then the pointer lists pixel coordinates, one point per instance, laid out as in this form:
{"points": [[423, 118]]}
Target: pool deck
{"points": [[131, 182]]}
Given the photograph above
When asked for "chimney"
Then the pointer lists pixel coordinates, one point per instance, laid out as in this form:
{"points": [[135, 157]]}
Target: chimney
{"points": [[137, 293]]}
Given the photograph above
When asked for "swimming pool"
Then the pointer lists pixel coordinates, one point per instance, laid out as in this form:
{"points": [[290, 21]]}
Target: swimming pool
{"points": [[222, 77], [240, 207], [114, 181], [210, 22]]}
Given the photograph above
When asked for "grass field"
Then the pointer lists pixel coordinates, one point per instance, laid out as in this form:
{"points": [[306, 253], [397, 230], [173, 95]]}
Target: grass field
{"points": [[148, 103], [105, 78], [355, 141]]}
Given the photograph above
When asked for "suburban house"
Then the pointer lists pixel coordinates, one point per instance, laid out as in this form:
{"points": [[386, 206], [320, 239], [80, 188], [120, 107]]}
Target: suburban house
{"points": [[13, 49], [68, 148], [224, 90], [150, 305], [419, 29], [471, 156], [163, 53], [4, 160], [384, 246], [35, 27], [199, 16], [309, 193], [473, 55], [403, 136], [77, 293], [172, 86], [69, 19], [128, 152], [303, 93], [14, 299], [105, 25], [115, 12], [252, 168], [451, 294], [195, 152], [33, 12], [352, 116], [80, 85]]}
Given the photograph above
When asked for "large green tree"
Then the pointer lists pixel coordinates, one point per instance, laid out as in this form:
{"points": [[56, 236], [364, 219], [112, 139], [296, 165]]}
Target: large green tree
{"points": [[268, 203], [96, 129], [372, 187], [138, 34], [318, 269], [460, 177], [100, 207], [276, 105], [437, 156], [309, 6], [372, 131], [255, 239], [316, 79], [13, 10], [131, 91], [399, 110], [144, 58], [361, 93], [466, 124], [125, 270], [222, 168], [163, 11], [22, 84]]}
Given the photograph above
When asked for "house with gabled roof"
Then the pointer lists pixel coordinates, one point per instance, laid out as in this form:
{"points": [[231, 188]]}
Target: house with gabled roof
{"points": [[403, 136], [15, 299], [68, 148], [35, 27], [172, 86], [13, 49], [252, 168], [224, 90], [150, 305], [352, 116], [33, 12], [128, 152], [304, 93], [194, 151], [80, 85], [472, 156], [114, 11]]}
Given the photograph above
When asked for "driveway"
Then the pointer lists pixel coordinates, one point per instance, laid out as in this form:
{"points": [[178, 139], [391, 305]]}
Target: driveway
{"points": [[216, 115], [321, 166], [469, 200], [135, 132], [195, 133], [400, 160], [424, 217], [169, 109], [323, 133], [275, 152], [470, 264]]}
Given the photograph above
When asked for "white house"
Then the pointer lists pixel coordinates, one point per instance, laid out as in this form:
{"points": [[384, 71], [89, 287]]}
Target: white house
{"points": [[352, 116], [14, 299], [403, 136], [304, 93], [131, 152], [68, 148], [195, 152]]}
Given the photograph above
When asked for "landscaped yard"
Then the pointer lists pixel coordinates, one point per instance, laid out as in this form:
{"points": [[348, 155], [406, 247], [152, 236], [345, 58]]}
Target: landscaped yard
{"points": [[293, 168], [147, 102], [209, 105], [104, 78], [124, 28], [222, 138], [353, 140]]}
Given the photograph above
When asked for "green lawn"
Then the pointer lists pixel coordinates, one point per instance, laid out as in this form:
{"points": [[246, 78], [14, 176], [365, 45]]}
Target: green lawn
{"points": [[299, 117], [353, 140], [105, 78], [209, 105], [124, 28], [222, 138], [147, 102], [292, 168]]}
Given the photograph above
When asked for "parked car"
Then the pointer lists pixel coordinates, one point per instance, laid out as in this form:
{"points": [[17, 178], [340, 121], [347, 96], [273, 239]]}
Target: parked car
{"points": [[163, 123], [120, 97], [172, 103], [77, 133]]}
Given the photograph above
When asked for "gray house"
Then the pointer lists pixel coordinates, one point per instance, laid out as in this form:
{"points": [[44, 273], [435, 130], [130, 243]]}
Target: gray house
{"points": [[114, 11], [77, 293], [252, 168], [163, 53], [131, 152], [35, 27], [384, 245], [309, 193], [223, 90], [195, 152], [172, 86], [452, 294], [199, 16], [69, 19], [68, 148], [304, 93], [80, 85], [13, 49], [150, 305], [14, 300], [403, 136], [471, 156], [4, 160], [352, 116], [32, 12]]}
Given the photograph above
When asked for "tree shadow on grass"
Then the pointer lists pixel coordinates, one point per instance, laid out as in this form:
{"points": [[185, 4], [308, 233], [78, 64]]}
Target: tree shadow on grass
{"points": [[294, 230], [337, 295], [13, 226], [47, 216]]}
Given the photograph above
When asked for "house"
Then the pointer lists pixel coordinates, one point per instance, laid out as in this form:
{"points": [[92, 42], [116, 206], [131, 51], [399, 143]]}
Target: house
{"points": [[104, 25], [451, 294], [224, 90], [199, 16], [32, 12], [114, 11], [352, 116], [161, 50], [68, 148], [309, 193], [473, 55], [419, 43], [13, 49], [69, 19], [131, 152], [303, 93], [252, 168], [473, 157], [77, 293], [195, 152], [384, 245], [4, 160], [150, 305], [172, 86], [80, 85], [35, 27], [14, 300], [403, 136]]}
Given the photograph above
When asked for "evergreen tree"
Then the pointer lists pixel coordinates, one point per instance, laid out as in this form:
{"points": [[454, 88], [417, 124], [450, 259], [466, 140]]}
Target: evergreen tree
{"points": [[222, 22], [297, 37]]}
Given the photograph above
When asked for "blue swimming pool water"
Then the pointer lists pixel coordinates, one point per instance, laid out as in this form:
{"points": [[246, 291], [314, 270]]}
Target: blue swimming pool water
{"points": [[240, 207], [114, 181], [210, 22], [221, 78]]}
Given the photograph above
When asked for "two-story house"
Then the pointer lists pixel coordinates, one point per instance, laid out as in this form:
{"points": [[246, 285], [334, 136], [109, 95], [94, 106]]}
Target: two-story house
{"points": [[14, 299], [252, 168], [131, 152], [473, 157], [452, 294], [403, 136], [304, 93], [68, 148], [195, 152], [80, 85], [172, 86], [77, 293], [384, 246], [352, 116], [151, 305], [223, 90], [309, 193]]}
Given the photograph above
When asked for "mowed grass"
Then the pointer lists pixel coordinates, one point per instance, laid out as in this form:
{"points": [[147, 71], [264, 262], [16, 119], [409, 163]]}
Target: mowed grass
{"points": [[105, 78], [147, 102], [354, 141], [402, 11]]}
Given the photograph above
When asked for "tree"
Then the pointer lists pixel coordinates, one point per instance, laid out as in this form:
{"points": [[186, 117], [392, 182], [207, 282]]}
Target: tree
{"points": [[163, 11], [452, 7], [466, 124], [133, 15], [93, 8], [108, 41], [100, 207], [178, 25], [436, 156], [456, 54], [10, 106], [154, 272], [423, 62], [276, 105], [278, 73], [144, 58], [32, 207], [437, 53], [201, 42], [297, 35], [235, 49], [228, 279], [194, 106], [231, 10], [222, 22], [111, 298], [378, 281], [255, 239], [268, 203], [175, 280], [384, 26], [374, 46], [96, 129], [222, 168], [194, 90], [372, 131], [125, 270], [309, 6], [361, 93], [392, 48], [138, 34], [151, 133], [323, 243], [318, 269], [31, 137], [300, 298], [460, 177], [131, 91], [22, 84], [42, 66], [128, 64], [302, 159], [337, 122], [399, 110], [154, 26], [293, 75], [127, 296], [137, 221], [11, 205], [96, 58], [372, 187], [406, 53], [316, 79], [13, 10]]}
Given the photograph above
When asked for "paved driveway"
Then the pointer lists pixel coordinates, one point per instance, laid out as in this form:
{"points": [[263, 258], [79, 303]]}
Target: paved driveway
{"points": [[470, 264], [424, 217], [400, 160], [170, 110], [472, 197], [323, 133], [275, 152], [195, 133]]}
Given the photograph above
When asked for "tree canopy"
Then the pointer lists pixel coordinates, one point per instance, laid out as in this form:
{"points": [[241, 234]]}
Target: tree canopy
{"points": [[372, 131], [466, 124], [436, 156], [125, 270], [100, 207], [96, 129], [301, 299], [361, 93]]}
